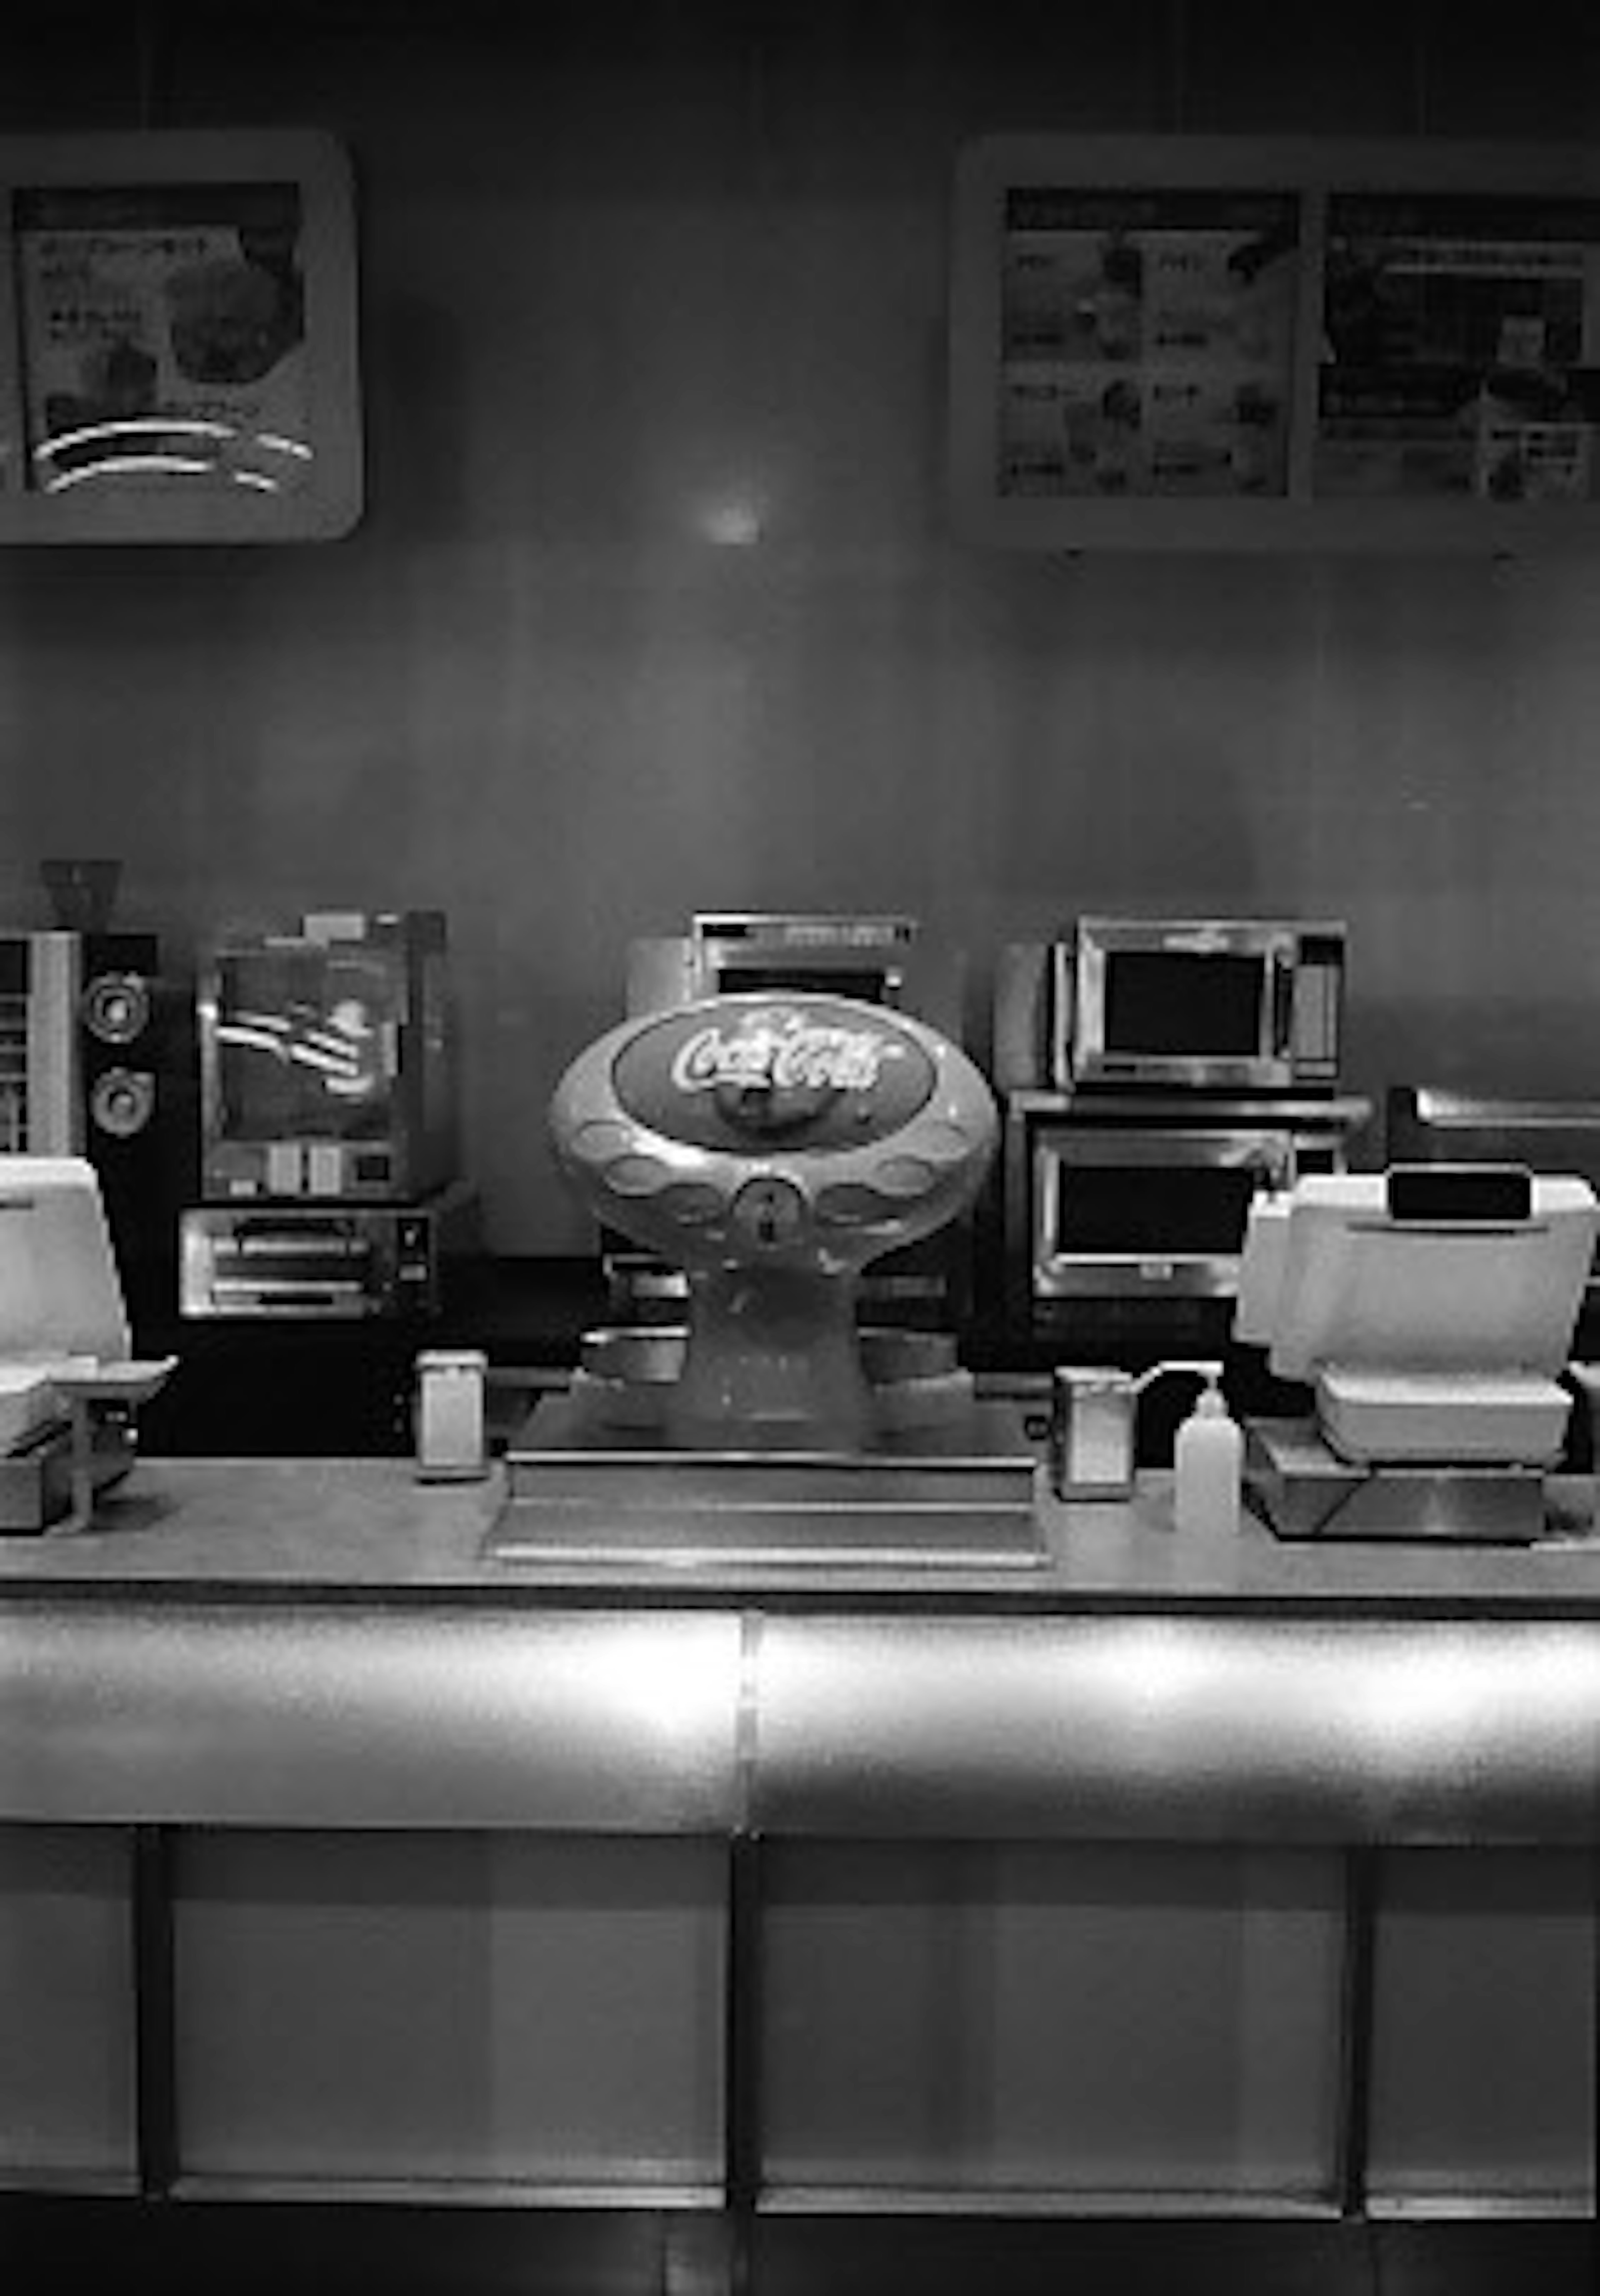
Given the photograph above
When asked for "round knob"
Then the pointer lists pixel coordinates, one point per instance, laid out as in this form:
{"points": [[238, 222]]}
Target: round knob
{"points": [[116, 1007], [122, 1101]]}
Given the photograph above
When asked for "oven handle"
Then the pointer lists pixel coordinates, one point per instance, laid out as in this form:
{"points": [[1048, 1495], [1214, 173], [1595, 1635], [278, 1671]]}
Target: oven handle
{"points": [[1271, 1156], [1282, 994]]}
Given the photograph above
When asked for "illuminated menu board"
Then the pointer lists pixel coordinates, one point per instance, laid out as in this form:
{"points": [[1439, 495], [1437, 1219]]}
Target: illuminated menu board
{"points": [[1461, 347], [163, 334], [1146, 341], [1229, 343], [177, 339]]}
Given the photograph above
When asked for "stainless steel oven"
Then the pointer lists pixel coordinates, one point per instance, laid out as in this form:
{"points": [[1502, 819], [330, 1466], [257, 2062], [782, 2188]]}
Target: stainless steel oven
{"points": [[1131, 1202], [1190, 1004]]}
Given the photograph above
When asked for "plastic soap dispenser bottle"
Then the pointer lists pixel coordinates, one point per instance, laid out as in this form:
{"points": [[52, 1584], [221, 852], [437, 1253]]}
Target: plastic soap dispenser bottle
{"points": [[1208, 1458]]}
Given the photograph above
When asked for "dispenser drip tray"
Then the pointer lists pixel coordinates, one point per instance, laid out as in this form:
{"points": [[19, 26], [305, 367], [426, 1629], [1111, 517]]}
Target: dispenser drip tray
{"points": [[959, 1495]]}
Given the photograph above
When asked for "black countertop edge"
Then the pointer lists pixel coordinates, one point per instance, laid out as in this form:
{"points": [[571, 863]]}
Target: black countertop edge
{"points": [[837, 1597]]}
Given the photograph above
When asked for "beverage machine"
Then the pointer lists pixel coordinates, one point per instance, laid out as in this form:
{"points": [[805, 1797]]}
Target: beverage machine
{"points": [[770, 1146], [866, 957]]}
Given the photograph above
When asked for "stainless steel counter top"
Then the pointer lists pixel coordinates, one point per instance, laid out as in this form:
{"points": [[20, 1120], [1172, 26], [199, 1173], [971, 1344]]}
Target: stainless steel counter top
{"points": [[352, 1530]]}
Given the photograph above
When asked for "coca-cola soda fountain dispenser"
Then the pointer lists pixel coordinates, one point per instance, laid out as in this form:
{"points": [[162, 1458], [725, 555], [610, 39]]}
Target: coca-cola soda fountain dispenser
{"points": [[770, 1146]]}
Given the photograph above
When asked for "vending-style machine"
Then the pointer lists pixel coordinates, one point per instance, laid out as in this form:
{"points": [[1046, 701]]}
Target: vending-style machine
{"points": [[328, 1153]]}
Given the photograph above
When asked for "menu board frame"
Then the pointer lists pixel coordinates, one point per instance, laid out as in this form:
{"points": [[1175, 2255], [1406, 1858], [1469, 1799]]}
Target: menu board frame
{"points": [[179, 356], [1152, 344]]}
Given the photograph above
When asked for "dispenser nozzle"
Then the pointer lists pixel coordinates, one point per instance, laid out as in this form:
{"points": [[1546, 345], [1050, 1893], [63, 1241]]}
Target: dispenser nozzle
{"points": [[1202, 1368]]}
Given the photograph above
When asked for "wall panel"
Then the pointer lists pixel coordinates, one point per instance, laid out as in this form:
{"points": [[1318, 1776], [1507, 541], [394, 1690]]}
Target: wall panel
{"points": [[542, 2012], [66, 2005], [656, 604]]}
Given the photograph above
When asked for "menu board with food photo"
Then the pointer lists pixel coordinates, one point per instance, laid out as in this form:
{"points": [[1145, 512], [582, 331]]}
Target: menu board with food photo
{"points": [[1461, 347], [1146, 341], [162, 335]]}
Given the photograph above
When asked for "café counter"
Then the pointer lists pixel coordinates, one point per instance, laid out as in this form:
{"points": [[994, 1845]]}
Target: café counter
{"points": [[1234, 1878]]}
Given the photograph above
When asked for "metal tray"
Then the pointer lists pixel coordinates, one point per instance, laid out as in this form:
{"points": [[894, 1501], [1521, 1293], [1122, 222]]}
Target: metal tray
{"points": [[969, 1504]]}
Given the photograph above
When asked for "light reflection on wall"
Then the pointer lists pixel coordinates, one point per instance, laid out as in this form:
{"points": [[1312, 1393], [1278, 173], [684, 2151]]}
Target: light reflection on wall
{"points": [[732, 522]]}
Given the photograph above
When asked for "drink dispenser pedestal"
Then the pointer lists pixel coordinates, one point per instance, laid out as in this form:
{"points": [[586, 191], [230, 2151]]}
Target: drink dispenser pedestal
{"points": [[773, 1145]]}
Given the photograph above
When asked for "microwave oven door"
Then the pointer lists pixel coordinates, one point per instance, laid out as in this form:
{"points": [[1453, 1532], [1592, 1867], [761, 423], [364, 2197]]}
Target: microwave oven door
{"points": [[1201, 1005], [1146, 1213]]}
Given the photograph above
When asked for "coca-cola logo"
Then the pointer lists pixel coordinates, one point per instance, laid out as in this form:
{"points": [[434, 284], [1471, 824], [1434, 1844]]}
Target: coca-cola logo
{"points": [[806, 1072], [783, 1053]]}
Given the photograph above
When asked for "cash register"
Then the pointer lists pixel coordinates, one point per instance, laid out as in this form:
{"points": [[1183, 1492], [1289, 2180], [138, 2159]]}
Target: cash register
{"points": [[1428, 1311], [69, 1383]]}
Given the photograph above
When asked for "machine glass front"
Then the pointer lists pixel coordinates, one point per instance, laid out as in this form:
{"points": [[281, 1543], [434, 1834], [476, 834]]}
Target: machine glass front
{"points": [[1104, 1210], [305, 1043], [1185, 1006], [862, 984], [1135, 1213]]}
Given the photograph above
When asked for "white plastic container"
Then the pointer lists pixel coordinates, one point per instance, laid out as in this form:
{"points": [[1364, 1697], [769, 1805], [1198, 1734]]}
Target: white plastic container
{"points": [[1208, 1465]]}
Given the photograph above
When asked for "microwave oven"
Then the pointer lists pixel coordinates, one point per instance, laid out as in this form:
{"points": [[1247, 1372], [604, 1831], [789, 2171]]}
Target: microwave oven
{"points": [[1208, 1005], [1119, 1207]]}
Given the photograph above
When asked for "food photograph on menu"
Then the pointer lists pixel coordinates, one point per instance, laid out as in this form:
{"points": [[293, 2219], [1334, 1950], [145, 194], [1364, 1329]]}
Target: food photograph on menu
{"points": [[1147, 342], [1461, 347], [162, 335]]}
